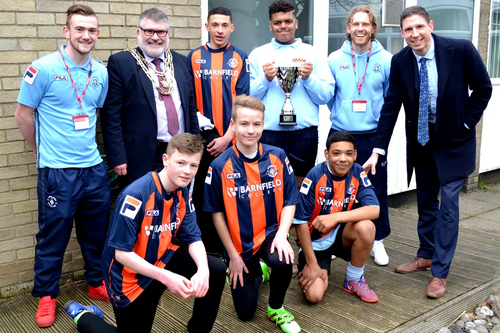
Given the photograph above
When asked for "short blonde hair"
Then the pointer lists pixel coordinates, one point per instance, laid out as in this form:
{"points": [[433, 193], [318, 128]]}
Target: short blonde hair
{"points": [[249, 102]]}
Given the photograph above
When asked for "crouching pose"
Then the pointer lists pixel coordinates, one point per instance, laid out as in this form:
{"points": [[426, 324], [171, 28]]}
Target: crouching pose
{"points": [[140, 259], [326, 222], [252, 193]]}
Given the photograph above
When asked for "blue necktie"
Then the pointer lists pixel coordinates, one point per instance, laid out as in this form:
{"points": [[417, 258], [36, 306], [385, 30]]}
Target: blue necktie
{"points": [[423, 105]]}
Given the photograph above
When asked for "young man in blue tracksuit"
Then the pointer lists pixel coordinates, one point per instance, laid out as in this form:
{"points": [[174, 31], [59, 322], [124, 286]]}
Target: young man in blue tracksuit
{"points": [[361, 70]]}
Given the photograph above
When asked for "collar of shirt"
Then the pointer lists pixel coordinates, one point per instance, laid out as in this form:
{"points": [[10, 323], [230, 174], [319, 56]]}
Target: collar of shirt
{"points": [[429, 55], [276, 45], [150, 60], [70, 62]]}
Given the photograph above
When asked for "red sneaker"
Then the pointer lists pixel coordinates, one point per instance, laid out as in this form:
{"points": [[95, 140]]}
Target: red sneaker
{"points": [[362, 289], [99, 292], [46, 314]]}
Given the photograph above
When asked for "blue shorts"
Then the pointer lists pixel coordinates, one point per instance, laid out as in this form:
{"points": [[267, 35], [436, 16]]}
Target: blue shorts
{"points": [[300, 146]]}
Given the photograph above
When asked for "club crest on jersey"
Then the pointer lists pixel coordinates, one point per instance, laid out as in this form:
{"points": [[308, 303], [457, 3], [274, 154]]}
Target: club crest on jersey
{"points": [[130, 207], [95, 81], [153, 212], [236, 175], [345, 66], [364, 178], [60, 78], [325, 189], [208, 178], [304, 188], [376, 68], [52, 201], [351, 189], [232, 62], [200, 61], [30, 75], [288, 166], [272, 171]]}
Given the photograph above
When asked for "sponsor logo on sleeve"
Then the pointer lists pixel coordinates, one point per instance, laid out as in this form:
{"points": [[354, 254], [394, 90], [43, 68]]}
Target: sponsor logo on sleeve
{"points": [[288, 166], [304, 188], [208, 178], [30, 75], [191, 205], [248, 65], [130, 207], [364, 178]]}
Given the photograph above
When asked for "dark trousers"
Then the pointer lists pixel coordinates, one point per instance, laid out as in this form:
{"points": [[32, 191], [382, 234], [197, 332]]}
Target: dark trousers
{"points": [[82, 194], [209, 234], [437, 223], [364, 148], [138, 317], [245, 298]]}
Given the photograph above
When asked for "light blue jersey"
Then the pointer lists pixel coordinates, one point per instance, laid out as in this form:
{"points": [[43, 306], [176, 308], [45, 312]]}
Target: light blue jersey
{"points": [[373, 90], [47, 87], [307, 95]]}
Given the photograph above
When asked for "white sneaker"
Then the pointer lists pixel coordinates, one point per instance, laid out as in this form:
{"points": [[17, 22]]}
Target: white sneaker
{"points": [[378, 253]]}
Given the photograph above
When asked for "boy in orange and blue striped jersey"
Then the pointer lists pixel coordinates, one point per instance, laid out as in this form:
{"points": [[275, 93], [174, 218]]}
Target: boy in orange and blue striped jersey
{"points": [[220, 73], [252, 193], [140, 259], [326, 222]]}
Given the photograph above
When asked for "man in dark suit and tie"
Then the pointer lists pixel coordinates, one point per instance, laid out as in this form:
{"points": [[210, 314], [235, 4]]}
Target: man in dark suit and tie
{"points": [[150, 99], [431, 77]]}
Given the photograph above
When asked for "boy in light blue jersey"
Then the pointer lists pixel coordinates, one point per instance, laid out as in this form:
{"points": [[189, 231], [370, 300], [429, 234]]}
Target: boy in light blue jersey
{"points": [[63, 90], [316, 87]]}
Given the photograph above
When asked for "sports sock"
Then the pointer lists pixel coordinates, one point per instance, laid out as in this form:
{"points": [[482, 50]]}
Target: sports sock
{"points": [[354, 273]]}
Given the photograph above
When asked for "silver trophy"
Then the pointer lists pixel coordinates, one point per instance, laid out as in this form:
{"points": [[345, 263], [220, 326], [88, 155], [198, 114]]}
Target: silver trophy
{"points": [[287, 78]]}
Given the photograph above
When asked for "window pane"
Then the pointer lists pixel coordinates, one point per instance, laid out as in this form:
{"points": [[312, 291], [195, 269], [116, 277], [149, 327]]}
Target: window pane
{"points": [[251, 21], [452, 18], [389, 37], [494, 52]]}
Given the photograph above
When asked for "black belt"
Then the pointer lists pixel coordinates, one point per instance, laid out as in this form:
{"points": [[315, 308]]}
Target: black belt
{"points": [[161, 144]]}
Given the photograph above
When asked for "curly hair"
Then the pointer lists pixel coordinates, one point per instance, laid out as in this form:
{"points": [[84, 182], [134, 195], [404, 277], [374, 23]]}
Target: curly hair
{"points": [[371, 15], [281, 6]]}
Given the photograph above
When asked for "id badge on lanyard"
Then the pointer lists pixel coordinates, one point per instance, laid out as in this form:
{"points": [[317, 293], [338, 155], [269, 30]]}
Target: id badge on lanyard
{"points": [[359, 105], [81, 121]]}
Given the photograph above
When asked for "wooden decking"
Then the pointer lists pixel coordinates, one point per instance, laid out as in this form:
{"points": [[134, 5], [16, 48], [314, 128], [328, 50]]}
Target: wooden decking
{"points": [[402, 297]]}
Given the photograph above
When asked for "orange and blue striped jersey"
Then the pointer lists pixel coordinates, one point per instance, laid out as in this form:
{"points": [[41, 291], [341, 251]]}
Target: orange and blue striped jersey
{"points": [[322, 193], [219, 76], [252, 194], [145, 220]]}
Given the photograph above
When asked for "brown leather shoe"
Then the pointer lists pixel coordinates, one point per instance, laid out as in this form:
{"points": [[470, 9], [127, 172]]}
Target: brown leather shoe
{"points": [[436, 288], [418, 264]]}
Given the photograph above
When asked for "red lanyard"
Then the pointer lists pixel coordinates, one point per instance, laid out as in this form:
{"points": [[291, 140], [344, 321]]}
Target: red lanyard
{"points": [[354, 67], [79, 98]]}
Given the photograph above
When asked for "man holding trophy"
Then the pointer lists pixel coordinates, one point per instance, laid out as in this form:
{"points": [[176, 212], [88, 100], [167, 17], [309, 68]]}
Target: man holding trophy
{"points": [[292, 81]]}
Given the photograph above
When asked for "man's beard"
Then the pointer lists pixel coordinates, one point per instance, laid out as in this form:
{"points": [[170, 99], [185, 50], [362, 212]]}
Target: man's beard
{"points": [[153, 53]]}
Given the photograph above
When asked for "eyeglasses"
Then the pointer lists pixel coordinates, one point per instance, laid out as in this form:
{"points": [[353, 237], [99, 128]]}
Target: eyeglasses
{"points": [[159, 33]]}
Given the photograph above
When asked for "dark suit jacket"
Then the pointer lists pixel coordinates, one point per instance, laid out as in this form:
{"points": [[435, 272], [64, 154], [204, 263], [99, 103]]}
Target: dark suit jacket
{"points": [[129, 122], [459, 67]]}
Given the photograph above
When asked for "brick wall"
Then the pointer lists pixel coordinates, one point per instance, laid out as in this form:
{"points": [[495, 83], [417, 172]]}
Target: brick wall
{"points": [[30, 29], [471, 183]]}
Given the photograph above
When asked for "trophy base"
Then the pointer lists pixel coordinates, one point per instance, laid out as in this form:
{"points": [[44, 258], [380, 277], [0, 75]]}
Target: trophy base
{"points": [[288, 119]]}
